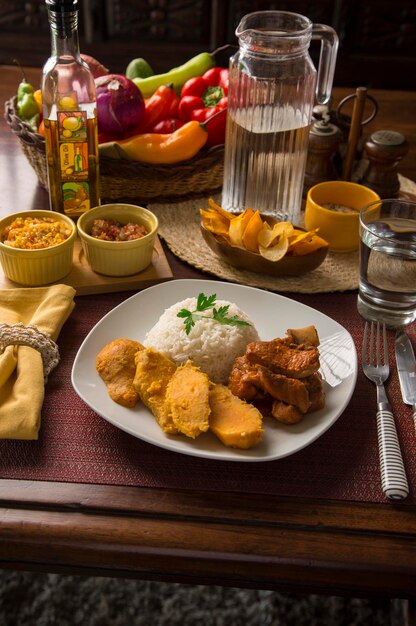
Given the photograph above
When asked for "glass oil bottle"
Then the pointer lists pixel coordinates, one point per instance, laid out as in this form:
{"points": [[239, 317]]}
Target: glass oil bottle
{"points": [[70, 116]]}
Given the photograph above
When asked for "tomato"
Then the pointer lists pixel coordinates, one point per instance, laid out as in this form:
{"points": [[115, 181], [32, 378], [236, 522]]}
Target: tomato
{"points": [[167, 126], [187, 104]]}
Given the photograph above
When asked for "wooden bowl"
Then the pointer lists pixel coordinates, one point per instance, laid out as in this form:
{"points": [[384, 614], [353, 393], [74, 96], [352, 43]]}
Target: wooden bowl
{"points": [[254, 262]]}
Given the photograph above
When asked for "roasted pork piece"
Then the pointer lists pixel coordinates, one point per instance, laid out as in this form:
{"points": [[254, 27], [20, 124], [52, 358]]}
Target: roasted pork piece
{"points": [[246, 379], [282, 356], [281, 377]]}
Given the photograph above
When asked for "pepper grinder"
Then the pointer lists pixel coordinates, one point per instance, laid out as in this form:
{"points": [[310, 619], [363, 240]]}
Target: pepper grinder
{"points": [[324, 140], [384, 150]]}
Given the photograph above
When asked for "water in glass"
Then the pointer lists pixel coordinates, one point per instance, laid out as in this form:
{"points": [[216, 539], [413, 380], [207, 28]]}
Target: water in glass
{"points": [[387, 290], [270, 101]]}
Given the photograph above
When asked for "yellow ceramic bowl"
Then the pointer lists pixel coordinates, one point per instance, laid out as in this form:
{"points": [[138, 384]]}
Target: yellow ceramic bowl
{"points": [[339, 227], [118, 258], [32, 268]]}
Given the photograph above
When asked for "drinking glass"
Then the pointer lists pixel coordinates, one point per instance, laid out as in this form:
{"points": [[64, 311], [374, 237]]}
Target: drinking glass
{"points": [[387, 289]]}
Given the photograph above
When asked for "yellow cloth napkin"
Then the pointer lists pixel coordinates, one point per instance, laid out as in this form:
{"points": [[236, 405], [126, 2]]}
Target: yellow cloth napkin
{"points": [[21, 368]]}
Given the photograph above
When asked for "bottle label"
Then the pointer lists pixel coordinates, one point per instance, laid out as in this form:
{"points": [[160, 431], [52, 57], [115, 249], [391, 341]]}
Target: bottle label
{"points": [[73, 153]]}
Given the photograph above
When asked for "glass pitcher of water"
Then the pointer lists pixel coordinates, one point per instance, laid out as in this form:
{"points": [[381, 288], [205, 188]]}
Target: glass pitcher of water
{"points": [[272, 89]]}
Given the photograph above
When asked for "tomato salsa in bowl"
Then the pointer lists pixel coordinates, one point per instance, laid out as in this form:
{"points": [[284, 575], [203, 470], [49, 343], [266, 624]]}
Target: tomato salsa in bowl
{"points": [[112, 230], [118, 239]]}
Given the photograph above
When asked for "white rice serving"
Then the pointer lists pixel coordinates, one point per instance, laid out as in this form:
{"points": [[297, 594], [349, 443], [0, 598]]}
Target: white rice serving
{"points": [[212, 346]]}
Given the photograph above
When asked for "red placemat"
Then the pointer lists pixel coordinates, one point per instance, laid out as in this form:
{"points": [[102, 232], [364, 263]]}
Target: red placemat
{"points": [[76, 445]]}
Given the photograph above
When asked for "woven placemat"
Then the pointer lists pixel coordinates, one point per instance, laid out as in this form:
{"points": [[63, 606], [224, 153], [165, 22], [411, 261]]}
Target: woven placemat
{"points": [[76, 445], [179, 226]]}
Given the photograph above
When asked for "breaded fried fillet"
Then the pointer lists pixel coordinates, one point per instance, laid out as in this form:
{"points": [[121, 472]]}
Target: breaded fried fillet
{"points": [[116, 365], [235, 423], [187, 398], [153, 373]]}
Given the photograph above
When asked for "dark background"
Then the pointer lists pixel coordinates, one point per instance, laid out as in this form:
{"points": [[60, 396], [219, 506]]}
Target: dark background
{"points": [[377, 37]]}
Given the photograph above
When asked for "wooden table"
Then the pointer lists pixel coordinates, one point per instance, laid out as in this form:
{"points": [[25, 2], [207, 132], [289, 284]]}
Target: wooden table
{"points": [[284, 543]]}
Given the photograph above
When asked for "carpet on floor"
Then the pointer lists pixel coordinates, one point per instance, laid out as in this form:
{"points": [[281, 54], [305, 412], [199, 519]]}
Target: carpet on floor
{"points": [[34, 599]]}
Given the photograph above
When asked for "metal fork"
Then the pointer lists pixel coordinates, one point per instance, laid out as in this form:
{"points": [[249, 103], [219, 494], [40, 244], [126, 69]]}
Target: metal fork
{"points": [[375, 363]]}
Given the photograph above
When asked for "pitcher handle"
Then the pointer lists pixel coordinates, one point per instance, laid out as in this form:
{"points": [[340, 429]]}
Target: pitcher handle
{"points": [[327, 60]]}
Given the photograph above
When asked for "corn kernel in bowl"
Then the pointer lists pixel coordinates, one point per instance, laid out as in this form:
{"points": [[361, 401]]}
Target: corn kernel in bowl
{"points": [[35, 233], [36, 246]]}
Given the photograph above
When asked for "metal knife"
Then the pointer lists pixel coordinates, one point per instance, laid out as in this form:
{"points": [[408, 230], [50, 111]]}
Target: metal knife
{"points": [[406, 367]]}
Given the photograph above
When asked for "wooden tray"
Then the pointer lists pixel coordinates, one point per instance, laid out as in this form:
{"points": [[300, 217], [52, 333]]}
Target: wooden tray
{"points": [[86, 282]]}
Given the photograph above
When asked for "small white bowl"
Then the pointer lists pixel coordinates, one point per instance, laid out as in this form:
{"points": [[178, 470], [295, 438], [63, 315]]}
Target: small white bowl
{"points": [[32, 268], [118, 258]]}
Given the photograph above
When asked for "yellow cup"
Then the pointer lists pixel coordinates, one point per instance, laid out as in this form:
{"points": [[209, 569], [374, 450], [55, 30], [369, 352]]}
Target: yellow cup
{"points": [[338, 220]]}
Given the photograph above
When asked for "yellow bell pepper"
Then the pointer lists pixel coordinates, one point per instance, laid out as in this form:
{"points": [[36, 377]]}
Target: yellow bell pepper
{"points": [[38, 97], [157, 148]]}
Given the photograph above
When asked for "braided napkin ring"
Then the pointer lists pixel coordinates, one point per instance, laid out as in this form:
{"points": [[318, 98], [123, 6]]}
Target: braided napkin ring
{"points": [[21, 335]]}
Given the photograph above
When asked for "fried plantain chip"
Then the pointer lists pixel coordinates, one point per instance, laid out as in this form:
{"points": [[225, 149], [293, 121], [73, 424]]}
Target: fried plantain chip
{"points": [[238, 226], [269, 236], [216, 207], [215, 223], [251, 232], [300, 235], [276, 252], [307, 246]]}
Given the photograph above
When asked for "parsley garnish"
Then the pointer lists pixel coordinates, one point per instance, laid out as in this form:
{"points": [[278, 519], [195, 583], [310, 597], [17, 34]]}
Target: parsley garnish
{"points": [[204, 303]]}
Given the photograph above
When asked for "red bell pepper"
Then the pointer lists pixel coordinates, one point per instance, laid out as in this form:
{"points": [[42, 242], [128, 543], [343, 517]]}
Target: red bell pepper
{"points": [[202, 98], [173, 111], [217, 76], [158, 106]]}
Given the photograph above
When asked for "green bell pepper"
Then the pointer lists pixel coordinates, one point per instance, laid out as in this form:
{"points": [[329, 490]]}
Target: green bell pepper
{"points": [[27, 107]]}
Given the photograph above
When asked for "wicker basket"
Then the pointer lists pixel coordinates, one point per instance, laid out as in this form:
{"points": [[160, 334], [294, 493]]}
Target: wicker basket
{"points": [[127, 180]]}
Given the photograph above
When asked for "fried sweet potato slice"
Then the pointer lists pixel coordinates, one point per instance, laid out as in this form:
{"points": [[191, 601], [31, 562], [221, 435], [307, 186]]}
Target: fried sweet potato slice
{"points": [[187, 398], [153, 373], [116, 365], [235, 423]]}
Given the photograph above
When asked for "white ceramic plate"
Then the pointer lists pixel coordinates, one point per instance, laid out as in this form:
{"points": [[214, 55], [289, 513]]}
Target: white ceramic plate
{"points": [[272, 314]]}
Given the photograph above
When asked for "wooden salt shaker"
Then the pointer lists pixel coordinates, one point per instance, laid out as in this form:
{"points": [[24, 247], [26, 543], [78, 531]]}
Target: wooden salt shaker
{"points": [[384, 150]]}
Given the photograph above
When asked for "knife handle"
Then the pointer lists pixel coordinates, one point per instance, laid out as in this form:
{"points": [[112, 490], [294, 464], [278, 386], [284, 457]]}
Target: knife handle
{"points": [[393, 475]]}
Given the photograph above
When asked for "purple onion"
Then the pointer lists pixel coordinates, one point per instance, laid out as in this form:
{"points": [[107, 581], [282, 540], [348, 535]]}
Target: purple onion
{"points": [[120, 105]]}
